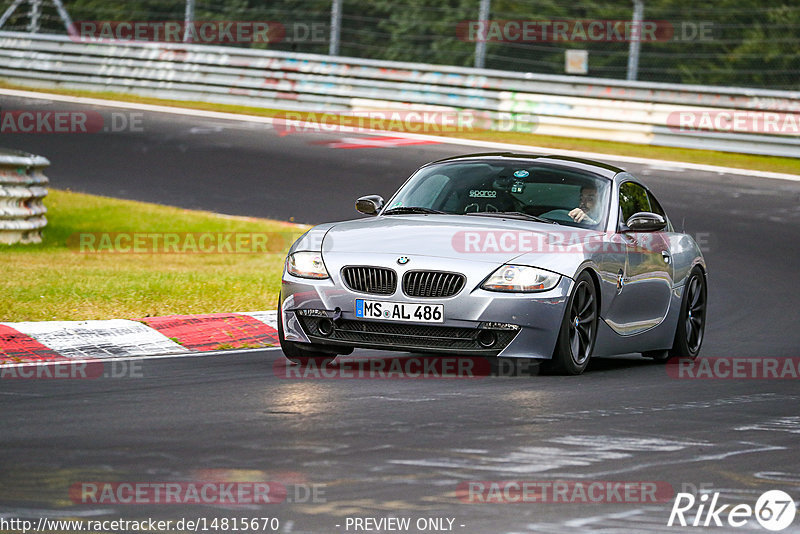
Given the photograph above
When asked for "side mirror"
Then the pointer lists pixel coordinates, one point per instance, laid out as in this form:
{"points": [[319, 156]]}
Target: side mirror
{"points": [[370, 204], [645, 221]]}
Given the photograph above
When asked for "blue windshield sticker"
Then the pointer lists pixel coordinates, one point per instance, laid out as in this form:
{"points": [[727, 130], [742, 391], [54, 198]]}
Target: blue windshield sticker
{"points": [[522, 173]]}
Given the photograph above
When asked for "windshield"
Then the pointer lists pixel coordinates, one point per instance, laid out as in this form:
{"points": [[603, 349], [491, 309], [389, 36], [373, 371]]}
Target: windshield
{"points": [[548, 191]]}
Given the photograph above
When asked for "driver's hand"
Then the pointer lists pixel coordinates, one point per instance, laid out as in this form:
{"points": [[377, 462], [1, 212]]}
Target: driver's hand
{"points": [[578, 215]]}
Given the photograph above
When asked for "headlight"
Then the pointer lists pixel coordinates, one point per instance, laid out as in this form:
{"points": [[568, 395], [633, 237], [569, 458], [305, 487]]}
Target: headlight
{"points": [[518, 278], [306, 265]]}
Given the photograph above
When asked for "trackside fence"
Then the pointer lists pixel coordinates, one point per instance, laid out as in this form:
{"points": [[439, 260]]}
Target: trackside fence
{"points": [[754, 121]]}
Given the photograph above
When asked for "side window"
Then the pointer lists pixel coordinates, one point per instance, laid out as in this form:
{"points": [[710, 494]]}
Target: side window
{"points": [[655, 207], [632, 199]]}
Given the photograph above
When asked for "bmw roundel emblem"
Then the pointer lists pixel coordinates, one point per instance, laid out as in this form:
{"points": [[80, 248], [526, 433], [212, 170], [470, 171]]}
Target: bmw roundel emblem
{"points": [[402, 260]]}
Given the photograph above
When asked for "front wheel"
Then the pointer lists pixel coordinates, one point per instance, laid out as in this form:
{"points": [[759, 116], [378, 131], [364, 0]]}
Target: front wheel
{"points": [[578, 329], [692, 319]]}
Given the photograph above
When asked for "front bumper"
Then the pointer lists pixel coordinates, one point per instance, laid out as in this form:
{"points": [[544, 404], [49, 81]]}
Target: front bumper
{"points": [[468, 316]]}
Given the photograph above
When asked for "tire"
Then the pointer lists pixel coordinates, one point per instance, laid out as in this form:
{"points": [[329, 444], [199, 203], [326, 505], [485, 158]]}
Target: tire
{"points": [[692, 320], [578, 329], [302, 353]]}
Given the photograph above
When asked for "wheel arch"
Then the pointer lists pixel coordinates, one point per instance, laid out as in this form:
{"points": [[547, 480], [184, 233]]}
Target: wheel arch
{"points": [[595, 276], [702, 268]]}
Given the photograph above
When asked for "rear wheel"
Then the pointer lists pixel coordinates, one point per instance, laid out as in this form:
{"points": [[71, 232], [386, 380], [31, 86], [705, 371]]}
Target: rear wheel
{"points": [[578, 329], [692, 319]]}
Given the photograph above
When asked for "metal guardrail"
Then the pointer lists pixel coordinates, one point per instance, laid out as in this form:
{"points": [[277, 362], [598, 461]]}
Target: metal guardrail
{"points": [[594, 108], [22, 181]]}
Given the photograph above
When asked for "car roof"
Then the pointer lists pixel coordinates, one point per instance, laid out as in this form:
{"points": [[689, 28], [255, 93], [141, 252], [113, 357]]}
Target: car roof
{"points": [[603, 169]]}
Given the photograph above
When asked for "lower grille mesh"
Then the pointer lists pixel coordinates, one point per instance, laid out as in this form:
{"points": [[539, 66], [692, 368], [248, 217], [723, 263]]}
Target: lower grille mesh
{"points": [[408, 336]]}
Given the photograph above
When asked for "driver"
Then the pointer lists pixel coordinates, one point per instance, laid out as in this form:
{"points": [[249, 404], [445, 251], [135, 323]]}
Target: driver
{"points": [[588, 210]]}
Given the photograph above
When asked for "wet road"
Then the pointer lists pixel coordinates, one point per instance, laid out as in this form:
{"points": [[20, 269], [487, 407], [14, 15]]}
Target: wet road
{"points": [[379, 447]]}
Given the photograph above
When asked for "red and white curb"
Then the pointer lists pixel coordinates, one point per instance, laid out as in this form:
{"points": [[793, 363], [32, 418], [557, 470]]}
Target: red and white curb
{"points": [[32, 342]]}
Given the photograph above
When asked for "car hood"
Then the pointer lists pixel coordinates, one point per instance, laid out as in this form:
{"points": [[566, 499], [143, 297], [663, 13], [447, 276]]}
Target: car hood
{"points": [[458, 237]]}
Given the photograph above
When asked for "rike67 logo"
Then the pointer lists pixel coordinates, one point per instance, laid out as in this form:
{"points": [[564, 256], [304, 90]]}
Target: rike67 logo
{"points": [[774, 510]]}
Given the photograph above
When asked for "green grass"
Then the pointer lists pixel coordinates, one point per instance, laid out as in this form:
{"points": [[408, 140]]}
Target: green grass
{"points": [[708, 157], [56, 281]]}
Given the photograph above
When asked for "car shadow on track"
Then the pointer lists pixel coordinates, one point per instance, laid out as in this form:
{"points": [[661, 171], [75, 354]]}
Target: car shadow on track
{"points": [[627, 361]]}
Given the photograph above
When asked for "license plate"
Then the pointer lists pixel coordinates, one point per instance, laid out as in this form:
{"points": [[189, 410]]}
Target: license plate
{"points": [[399, 311]]}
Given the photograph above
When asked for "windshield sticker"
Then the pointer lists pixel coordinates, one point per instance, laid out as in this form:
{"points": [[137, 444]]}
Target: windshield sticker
{"points": [[522, 173], [477, 193], [397, 204], [518, 187]]}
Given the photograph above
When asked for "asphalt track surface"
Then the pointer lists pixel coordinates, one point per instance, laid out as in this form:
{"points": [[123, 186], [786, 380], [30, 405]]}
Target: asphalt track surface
{"points": [[389, 447]]}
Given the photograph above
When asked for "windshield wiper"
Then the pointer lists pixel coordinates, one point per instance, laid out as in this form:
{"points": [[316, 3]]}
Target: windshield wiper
{"points": [[512, 214], [402, 210]]}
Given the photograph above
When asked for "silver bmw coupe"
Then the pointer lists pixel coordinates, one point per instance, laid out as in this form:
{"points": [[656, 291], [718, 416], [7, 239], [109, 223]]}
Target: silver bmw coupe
{"points": [[499, 255]]}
